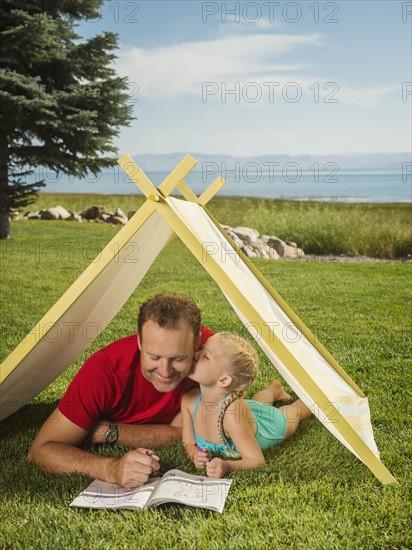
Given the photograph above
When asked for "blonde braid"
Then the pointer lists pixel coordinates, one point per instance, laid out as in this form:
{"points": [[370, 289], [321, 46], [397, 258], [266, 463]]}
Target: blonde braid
{"points": [[225, 405], [241, 364]]}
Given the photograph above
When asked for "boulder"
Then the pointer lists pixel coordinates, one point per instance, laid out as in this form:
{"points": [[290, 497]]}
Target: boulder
{"points": [[63, 213], [32, 215], [14, 214], [250, 253], [293, 253], [261, 249], [119, 212], [247, 234], [75, 217], [273, 255], [235, 238], [49, 214], [267, 252], [93, 212], [278, 245], [117, 220]]}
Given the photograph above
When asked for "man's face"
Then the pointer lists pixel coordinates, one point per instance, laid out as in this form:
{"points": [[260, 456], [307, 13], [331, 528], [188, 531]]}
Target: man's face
{"points": [[166, 354]]}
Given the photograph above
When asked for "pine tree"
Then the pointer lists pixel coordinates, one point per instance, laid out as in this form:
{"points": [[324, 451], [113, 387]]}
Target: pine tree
{"points": [[61, 101]]}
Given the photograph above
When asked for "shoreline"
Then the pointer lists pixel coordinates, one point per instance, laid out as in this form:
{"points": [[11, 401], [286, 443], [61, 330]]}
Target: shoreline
{"points": [[324, 199]]}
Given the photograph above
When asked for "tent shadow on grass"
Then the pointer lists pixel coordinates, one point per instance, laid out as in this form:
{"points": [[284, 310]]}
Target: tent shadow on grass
{"points": [[30, 417]]}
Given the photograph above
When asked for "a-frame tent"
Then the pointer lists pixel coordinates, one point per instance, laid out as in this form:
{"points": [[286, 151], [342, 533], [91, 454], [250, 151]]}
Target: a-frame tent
{"points": [[106, 284]]}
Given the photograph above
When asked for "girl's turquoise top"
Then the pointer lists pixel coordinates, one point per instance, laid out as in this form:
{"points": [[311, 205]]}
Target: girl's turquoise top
{"points": [[271, 427]]}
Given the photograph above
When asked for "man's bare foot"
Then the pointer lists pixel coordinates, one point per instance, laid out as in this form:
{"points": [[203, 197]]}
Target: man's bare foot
{"points": [[278, 392]]}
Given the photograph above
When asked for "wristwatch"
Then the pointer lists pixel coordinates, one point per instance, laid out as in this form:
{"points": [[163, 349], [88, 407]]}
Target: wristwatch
{"points": [[112, 434]]}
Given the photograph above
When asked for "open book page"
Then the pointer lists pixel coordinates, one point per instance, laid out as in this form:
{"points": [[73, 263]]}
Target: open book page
{"points": [[181, 488], [174, 487], [100, 494]]}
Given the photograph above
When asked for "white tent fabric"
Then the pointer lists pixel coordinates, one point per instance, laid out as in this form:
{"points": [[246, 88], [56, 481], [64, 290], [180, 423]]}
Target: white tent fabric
{"points": [[354, 408], [57, 343]]}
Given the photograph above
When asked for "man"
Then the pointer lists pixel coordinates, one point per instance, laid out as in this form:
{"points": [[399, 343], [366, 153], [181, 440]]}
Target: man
{"points": [[128, 393]]}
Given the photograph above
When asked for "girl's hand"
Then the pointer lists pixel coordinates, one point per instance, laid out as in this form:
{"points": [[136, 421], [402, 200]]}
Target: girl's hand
{"points": [[201, 458], [217, 468]]}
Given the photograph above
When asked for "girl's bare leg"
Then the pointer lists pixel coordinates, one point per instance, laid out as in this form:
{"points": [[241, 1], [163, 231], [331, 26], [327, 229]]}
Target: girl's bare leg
{"points": [[295, 412], [272, 393]]}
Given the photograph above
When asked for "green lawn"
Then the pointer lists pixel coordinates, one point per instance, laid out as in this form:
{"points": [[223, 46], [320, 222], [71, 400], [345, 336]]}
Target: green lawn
{"points": [[312, 492]]}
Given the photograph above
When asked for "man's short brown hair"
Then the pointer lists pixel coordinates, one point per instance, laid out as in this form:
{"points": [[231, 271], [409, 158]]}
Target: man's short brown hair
{"points": [[168, 310]]}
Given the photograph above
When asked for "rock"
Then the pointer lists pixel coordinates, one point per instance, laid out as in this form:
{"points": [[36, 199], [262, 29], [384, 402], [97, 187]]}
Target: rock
{"points": [[247, 239], [49, 214], [235, 238], [118, 220], [278, 245], [247, 234], [119, 212], [293, 253], [268, 252], [93, 212], [75, 217], [63, 213], [120, 216], [250, 253], [273, 255], [260, 249]]}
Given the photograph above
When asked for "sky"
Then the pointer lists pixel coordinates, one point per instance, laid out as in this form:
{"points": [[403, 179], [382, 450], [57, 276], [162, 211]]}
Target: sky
{"points": [[259, 78]]}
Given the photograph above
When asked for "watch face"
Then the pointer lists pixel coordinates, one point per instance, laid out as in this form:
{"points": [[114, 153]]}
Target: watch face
{"points": [[111, 435]]}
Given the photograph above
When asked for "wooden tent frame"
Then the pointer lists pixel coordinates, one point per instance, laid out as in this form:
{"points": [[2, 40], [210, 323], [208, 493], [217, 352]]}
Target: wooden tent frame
{"points": [[156, 202]]}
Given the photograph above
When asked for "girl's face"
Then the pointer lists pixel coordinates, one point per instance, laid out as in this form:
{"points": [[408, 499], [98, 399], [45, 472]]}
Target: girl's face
{"points": [[210, 360]]}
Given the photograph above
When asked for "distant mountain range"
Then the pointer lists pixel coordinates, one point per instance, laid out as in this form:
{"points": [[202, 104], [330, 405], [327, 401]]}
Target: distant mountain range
{"points": [[347, 161]]}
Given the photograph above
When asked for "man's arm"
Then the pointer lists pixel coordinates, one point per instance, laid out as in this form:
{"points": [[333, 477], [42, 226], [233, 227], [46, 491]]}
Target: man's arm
{"points": [[137, 435], [56, 450]]}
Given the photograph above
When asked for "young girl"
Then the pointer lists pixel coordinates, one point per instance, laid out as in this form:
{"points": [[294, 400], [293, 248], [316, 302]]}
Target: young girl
{"points": [[217, 419]]}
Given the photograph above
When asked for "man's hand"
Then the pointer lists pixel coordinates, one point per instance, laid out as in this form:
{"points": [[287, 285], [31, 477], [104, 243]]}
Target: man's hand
{"points": [[217, 468], [135, 467]]}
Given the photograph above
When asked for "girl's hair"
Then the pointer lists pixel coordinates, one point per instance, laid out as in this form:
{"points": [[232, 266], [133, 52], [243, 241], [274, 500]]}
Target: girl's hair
{"points": [[241, 363]]}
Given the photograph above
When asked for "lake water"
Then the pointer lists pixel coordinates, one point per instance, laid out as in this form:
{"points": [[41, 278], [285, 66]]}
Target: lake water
{"points": [[333, 185]]}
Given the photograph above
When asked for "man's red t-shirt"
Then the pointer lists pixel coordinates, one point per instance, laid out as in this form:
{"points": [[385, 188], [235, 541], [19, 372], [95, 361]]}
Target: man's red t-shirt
{"points": [[110, 385]]}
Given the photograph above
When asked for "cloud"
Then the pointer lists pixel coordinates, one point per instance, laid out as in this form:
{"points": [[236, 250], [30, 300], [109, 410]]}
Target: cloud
{"points": [[234, 25], [167, 72], [193, 68], [368, 98]]}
